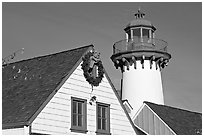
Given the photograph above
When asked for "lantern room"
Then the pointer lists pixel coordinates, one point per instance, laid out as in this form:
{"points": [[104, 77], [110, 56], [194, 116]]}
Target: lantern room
{"points": [[139, 28]]}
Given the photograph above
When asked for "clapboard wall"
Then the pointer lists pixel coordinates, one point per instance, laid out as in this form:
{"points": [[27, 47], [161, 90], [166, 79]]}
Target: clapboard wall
{"points": [[151, 123], [55, 118], [17, 131], [14, 131]]}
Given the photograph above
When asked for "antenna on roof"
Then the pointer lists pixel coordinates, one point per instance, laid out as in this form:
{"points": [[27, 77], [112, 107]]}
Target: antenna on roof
{"points": [[12, 56]]}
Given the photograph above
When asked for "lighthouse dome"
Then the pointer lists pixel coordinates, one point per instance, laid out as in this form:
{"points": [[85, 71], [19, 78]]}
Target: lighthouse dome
{"points": [[140, 21]]}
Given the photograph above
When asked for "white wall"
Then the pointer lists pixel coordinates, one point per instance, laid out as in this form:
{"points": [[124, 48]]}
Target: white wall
{"points": [[56, 116], [141, 85], [14, 131]]}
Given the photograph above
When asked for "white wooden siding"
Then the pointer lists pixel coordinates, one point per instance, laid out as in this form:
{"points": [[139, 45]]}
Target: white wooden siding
{"points": [[150, 123], [14, 131], [55, 118]]}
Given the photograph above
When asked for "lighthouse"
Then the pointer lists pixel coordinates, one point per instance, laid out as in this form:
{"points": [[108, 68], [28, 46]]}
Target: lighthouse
{"points": [[141, 58]]}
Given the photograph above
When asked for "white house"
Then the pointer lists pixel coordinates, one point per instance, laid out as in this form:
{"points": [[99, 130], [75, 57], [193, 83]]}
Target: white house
{"points": [[50, 95]]}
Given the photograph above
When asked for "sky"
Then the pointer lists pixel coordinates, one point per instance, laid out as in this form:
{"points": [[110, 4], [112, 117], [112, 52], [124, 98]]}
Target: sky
{"points": [[45, 28]]}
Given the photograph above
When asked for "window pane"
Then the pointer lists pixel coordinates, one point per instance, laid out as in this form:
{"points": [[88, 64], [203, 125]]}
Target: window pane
{"points": [[79, 108], [136, 32], [145, 33], [74, 106], [99, 111], [99, 123], [80, 120], [103, 112], [74, 119], [129, 36], [104, 124]]}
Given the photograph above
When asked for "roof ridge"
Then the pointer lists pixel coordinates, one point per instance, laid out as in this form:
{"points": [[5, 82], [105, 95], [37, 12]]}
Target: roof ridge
{"points": [[91, 45], [173, 107]]}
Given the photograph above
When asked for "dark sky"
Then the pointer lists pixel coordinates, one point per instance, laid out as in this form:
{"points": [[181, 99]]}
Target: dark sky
{"points": [[44, 28]]}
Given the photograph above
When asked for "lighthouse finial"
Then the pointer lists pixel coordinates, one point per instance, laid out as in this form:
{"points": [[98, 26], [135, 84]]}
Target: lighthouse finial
{"points": [[139, 14]]}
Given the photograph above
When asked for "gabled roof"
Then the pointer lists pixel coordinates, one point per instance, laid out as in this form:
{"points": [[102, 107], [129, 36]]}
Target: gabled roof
{"points": [[27, 84], [182, 122]]}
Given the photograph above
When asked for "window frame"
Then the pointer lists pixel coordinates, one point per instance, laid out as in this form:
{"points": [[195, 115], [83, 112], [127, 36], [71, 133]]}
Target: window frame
{"points": [[100, 131], [83, 128]]}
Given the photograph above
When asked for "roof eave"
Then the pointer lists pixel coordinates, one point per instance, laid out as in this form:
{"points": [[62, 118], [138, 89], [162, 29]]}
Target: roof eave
{"points": [[134, 26], [14, 125]]}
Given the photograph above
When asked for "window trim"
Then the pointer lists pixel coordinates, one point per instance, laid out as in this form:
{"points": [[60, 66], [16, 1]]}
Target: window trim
{"points": [[99, 131], [82, 129]]}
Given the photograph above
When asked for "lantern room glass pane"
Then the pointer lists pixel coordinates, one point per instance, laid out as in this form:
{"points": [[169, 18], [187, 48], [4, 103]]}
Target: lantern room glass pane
{"points": [[136, 33], [129, 34], [145, 33]]}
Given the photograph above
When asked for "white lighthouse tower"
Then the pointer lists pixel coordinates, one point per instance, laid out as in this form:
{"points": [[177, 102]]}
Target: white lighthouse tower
{"points": [[141, 58]]}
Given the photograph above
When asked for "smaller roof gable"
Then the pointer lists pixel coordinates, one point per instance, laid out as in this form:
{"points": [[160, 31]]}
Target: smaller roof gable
{"points": [[27, 84], [182, 122]]}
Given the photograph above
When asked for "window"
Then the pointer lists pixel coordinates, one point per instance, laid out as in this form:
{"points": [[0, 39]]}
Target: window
{"points": [[145, 33], [78, 115], [136, 33], [102, 118]]}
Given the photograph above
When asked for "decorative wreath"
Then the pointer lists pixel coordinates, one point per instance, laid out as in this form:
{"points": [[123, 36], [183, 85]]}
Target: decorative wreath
{"points": [[86, 67]]}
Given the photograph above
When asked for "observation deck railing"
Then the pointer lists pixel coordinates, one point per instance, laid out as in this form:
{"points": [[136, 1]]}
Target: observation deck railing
{"points": [[140, 44]]}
